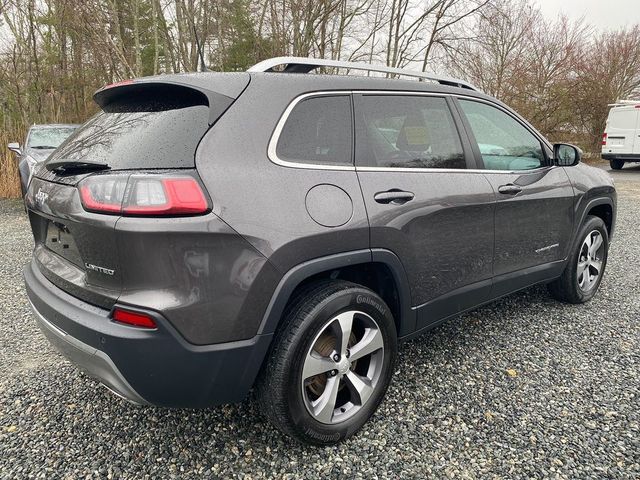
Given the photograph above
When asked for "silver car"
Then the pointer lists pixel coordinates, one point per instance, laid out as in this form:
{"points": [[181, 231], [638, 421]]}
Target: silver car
{"points": [[41, 141]]}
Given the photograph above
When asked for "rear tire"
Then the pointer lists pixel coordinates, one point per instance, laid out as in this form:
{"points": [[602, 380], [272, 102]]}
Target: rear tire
{"points": [[328, 328], [587, 262], [616, 164]]}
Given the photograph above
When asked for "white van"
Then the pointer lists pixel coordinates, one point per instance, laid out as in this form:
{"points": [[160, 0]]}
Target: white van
{"points": [[621, 138]]}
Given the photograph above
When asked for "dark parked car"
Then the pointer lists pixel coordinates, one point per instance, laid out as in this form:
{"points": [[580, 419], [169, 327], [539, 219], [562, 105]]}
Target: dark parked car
{"points": [[41, 141], [210, 233]]}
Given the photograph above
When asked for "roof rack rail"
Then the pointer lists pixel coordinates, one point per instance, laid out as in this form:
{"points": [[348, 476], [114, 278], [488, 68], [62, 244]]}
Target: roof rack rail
{"points": [[306, 65]]}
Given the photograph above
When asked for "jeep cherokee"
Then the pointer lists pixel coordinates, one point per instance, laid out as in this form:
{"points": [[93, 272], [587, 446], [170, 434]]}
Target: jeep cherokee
{"points": [[208, 234]]}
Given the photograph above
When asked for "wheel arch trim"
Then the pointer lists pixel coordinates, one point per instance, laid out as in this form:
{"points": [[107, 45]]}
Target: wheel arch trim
{"points": [[298, 274], [596, 202]]}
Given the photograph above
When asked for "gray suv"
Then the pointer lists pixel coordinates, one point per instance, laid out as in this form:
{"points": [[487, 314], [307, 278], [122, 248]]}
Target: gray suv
{"points": [[208, 234]]}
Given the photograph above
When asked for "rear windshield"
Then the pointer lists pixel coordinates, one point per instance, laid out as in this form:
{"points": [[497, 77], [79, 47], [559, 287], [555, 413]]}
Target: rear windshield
{"points": [[142, 134]]}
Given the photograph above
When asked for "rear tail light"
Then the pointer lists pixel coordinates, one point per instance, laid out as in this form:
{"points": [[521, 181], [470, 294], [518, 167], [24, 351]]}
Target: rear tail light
{"points": [[604, 139], [134, 319], [103, 193], [143, 195], [166, 196]]}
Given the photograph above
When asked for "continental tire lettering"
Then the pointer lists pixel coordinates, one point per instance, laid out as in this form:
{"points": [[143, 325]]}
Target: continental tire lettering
{"points": [[325, 437], [369, 301]]}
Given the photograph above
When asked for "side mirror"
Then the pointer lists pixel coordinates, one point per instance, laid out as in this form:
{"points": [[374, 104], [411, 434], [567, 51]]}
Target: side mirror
{"points": [[15, 148], [566, 155]]}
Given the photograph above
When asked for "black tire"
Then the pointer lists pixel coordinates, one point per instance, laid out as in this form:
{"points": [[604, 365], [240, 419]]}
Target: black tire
{"points": [[616, 164], [280, 389], [567, 288]]}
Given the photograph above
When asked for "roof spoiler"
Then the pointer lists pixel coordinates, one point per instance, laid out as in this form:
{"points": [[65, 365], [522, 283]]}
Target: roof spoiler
{"points": [[216, 90]]}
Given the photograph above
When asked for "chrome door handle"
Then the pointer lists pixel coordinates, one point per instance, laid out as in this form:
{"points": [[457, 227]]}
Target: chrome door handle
{"points": [[397, 197]]}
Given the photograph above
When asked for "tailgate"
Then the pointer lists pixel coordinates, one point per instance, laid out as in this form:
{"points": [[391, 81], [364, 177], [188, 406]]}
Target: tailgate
{"points": [[145, 127], [76, 250]]}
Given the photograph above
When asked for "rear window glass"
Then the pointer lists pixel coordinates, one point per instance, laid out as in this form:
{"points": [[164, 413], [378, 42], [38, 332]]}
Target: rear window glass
{"points": [[318, 131], [148, 134]]}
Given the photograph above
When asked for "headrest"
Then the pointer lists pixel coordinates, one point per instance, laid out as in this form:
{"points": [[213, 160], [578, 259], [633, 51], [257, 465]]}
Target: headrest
{"points": [[413, 136]]}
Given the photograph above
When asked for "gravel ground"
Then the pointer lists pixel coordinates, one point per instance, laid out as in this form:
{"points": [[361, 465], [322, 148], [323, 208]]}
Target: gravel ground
{"points": [[526, 387]]}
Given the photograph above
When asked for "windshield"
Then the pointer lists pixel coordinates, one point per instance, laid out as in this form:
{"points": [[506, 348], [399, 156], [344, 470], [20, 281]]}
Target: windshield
{"points": [[48, 138]]}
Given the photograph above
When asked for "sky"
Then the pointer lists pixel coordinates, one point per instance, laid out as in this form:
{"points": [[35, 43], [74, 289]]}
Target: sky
{"points": [[602, 14]]}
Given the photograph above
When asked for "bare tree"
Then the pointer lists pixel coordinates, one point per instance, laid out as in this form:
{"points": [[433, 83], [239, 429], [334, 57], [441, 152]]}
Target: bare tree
{"points": [[496, 57], [545, 92], [608, 71], [56, 53]]}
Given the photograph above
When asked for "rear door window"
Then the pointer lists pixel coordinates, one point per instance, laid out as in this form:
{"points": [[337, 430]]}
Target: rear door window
{"points": [[130, 134], [318, 131], [398, 131]]}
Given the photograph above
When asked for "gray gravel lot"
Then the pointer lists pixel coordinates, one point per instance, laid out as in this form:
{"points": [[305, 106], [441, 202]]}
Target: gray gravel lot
{"points": [[572, 410]]}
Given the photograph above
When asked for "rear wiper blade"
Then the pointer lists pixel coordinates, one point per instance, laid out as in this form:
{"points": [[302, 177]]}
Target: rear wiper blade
{"points": [[44, 147], [68, 166]]}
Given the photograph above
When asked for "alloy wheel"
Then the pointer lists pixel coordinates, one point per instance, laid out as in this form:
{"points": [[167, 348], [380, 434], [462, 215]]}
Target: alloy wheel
{"points": [[590, 258], [342, 367]]}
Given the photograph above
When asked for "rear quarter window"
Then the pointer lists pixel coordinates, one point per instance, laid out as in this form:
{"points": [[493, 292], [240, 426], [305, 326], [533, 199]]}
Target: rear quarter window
{"points": [[318, 131]]}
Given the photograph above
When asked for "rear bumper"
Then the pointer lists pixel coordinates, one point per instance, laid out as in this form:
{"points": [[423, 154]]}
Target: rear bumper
{"points": [[155, 367], [627, 157], [93, 361]]}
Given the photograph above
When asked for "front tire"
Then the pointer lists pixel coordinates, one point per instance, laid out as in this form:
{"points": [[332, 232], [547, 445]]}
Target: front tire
{"points": [[330, 363], [585, 268], [616, 164]]}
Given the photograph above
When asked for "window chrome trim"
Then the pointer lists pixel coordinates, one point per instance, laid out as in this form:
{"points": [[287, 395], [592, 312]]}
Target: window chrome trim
{"points": [[404, 92], [454, 170], [511, 113], [275, 137], [522, 121]]}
